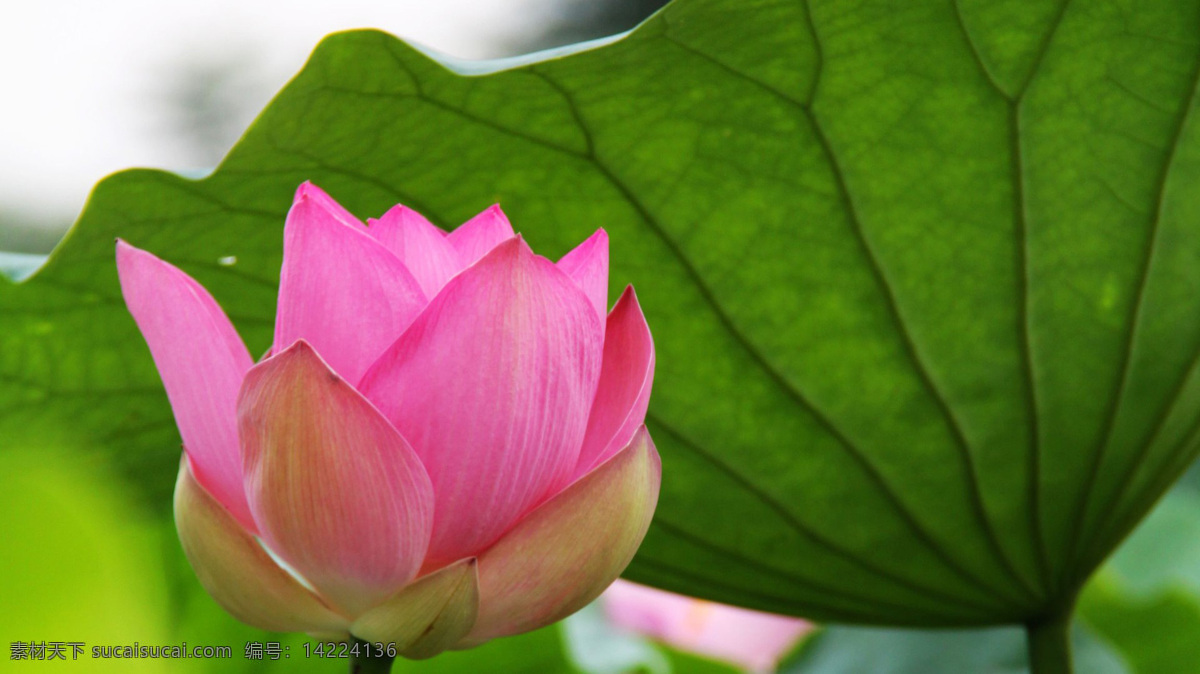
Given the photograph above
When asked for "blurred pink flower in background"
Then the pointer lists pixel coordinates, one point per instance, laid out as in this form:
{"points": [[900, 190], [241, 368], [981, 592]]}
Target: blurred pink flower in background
{"points": [[444, 444], [750, 639]]}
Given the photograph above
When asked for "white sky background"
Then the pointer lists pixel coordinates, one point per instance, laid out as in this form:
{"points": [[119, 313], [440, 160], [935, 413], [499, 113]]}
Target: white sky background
{"points": [[85, 82]]}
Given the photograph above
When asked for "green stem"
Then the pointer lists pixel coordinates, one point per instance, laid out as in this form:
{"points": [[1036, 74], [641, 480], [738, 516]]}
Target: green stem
{"points": [[1049, 642], [369, 660]]}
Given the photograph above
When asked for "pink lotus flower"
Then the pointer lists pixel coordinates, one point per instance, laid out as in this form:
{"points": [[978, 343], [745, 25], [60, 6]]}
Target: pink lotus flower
{"points": [[444, 444], [750, 639]]}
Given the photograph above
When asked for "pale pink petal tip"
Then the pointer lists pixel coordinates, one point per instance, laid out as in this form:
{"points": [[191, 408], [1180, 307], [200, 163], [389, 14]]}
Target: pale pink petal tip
{"points": [[341, 290], [307, 190], [752, 639], [419, 244], [479, 235], [587, 265]]}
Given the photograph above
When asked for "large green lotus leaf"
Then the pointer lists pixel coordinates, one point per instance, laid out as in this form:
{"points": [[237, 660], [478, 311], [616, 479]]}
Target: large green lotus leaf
{"points": [[922, 276]]}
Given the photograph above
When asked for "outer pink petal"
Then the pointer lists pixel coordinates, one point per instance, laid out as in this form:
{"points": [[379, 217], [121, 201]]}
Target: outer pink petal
{"points": [[429, 615], [421, 246], [201, 361], [751, 639], [238, 573], [587, 265], [491, 385], [475, 237], [327, 203], [565, 553], [336, 491], [340, 290], [625, 381]]}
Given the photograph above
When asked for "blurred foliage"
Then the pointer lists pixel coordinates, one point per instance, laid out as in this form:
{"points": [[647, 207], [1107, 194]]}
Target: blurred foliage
{"points": [[595, 646], [1154, 635], [1146, 601], [80, 563], [863, 650]]}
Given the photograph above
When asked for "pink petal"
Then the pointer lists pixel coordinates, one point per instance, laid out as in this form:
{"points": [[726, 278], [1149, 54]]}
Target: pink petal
{"points": [[336, 491], [751, 639], [565, 553], [238, 573], [475, 237], [327, 203], [421, 246], [340, 290], [587, 265], [201, 361], [491, 385], [625, 381]]}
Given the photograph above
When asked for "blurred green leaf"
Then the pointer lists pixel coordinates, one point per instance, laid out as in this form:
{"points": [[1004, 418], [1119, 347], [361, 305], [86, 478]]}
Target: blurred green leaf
{"points": [[1155, 634], [921, 276], [855, 650], [687, 663], [79, 563], [539, 652]]}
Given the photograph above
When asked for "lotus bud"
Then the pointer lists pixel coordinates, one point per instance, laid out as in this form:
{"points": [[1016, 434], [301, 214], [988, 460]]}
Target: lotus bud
{"points": [[444, 444]]}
